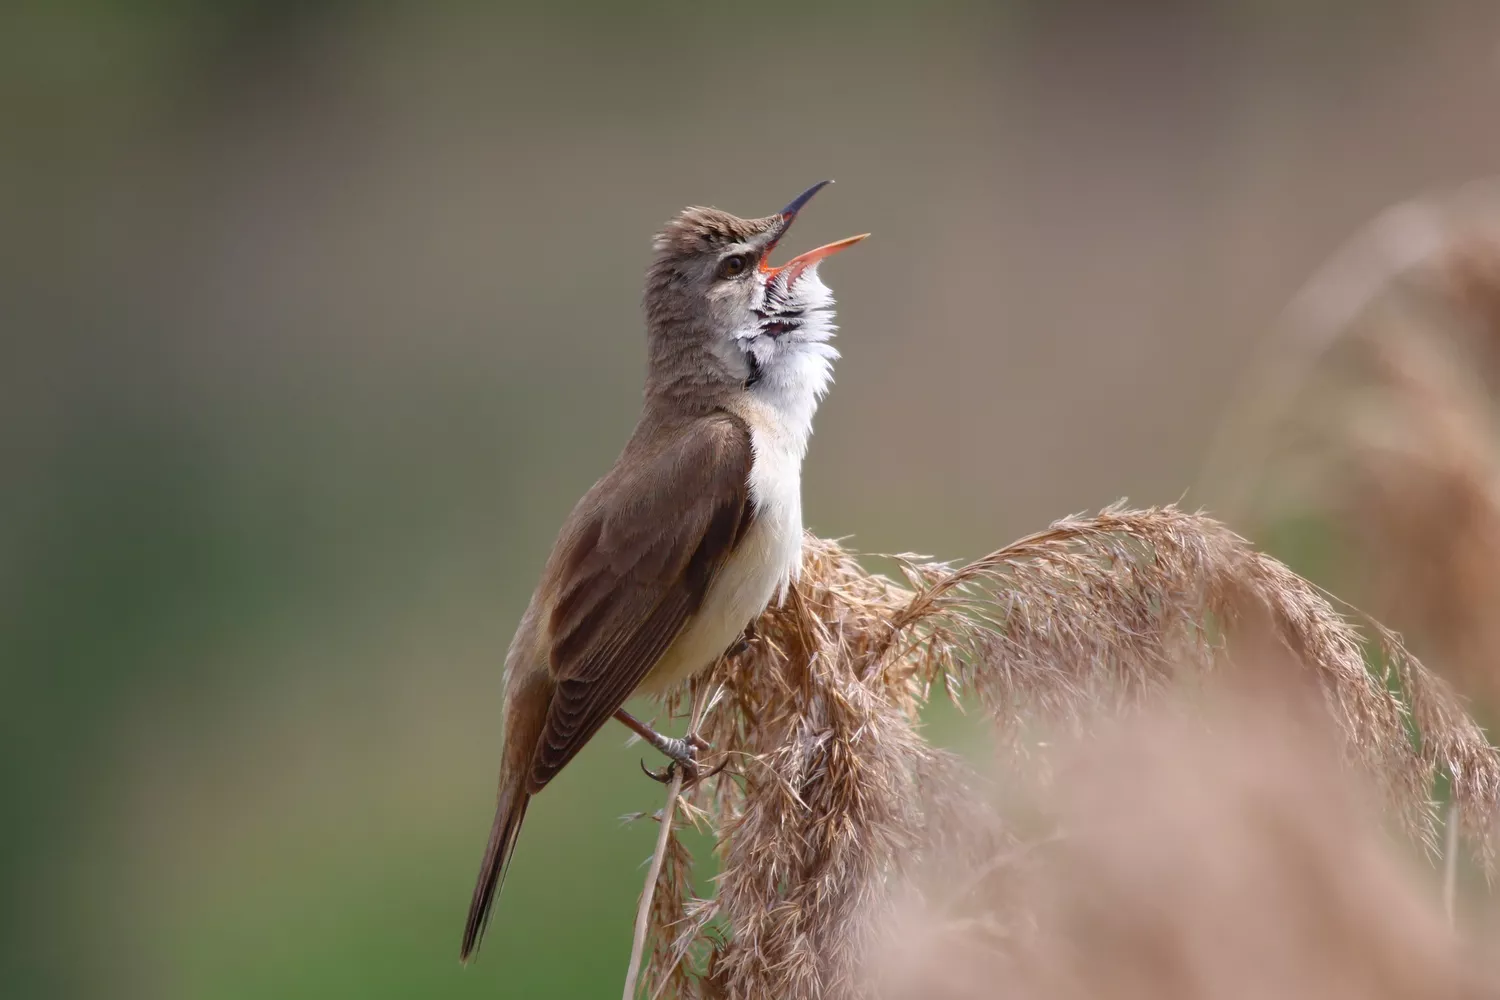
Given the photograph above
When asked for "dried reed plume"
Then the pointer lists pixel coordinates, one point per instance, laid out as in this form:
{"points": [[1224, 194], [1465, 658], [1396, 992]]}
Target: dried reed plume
{"points": [[834, 803], [1381, 411]]}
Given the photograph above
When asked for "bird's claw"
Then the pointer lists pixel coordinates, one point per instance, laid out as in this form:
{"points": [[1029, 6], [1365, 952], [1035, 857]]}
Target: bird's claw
{"points": [[690, 774], [661, 774]]}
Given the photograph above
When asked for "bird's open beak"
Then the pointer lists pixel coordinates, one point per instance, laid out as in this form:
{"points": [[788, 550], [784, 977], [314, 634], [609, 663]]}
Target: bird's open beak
{"points": [[802, 262]]}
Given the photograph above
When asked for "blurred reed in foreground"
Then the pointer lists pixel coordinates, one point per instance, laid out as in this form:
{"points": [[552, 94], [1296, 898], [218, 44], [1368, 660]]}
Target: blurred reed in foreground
{"points": [[1209, 846], [836, 813]]}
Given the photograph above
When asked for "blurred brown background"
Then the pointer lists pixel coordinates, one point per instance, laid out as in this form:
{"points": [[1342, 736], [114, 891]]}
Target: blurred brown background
{"points": [[318, 315]]}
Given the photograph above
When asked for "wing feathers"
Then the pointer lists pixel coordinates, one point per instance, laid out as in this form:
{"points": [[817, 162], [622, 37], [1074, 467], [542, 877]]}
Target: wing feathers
{"points": [[632, 572]]}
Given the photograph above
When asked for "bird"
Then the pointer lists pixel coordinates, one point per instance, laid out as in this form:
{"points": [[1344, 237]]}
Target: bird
{"points": [[669, 558]]}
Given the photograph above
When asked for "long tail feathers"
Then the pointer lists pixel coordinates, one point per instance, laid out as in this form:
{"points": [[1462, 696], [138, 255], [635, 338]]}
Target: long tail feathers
{"points": [[508, 816]]}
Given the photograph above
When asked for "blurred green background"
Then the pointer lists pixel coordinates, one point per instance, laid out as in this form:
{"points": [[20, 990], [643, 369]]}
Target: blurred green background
{"points": [[319, 315]]}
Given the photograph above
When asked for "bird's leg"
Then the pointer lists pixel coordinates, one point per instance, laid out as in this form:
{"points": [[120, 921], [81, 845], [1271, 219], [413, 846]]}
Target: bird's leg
{"points": [[743, 642], [681, 753]]}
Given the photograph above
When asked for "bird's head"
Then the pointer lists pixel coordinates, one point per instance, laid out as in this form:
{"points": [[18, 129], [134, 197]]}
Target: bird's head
{"points": [[718, 309]]}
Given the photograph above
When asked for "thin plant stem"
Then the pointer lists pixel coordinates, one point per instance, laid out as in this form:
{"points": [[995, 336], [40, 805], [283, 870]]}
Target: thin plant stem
{"points": [[643, 913], [648, 893], [1450, 864]]}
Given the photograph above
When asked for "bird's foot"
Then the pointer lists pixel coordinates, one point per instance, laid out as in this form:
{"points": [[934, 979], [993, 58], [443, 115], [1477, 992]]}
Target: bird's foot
{"points": [[681, 753]]}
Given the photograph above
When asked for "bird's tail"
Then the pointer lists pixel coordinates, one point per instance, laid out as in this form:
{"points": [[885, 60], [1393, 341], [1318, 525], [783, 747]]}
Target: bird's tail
{"points": [[509, 813]]}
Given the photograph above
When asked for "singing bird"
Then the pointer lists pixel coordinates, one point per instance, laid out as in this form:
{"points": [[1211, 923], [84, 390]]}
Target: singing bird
{"points": [[667, 560]]}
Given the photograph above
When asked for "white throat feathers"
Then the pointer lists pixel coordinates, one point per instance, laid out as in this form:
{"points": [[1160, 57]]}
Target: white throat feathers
{"points": [[791, 359]]}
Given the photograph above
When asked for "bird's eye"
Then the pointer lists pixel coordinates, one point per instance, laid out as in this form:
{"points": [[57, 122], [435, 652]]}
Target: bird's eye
{"points": [[732, 265]]}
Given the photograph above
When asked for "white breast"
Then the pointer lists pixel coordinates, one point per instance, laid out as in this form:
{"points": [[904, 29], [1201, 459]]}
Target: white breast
{"points": [[763, 565]]}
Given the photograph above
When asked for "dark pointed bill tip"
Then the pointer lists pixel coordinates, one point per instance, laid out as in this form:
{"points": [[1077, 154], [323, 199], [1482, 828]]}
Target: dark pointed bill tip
{"points": [[791, 210]]}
